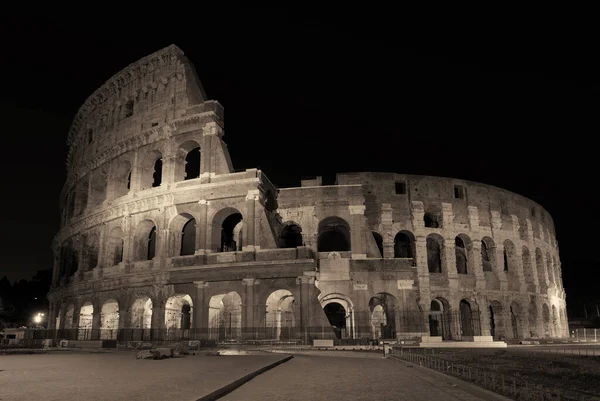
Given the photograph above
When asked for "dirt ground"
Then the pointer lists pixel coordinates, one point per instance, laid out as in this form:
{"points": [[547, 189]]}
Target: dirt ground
{"points": [[577, 376]]}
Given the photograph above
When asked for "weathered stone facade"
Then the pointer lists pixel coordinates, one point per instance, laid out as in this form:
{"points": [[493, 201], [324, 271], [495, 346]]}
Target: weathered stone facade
{"points": [[159, 232]]}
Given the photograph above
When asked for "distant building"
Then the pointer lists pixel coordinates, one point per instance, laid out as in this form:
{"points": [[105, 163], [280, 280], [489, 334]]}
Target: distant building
{"points": [[160, 232]]}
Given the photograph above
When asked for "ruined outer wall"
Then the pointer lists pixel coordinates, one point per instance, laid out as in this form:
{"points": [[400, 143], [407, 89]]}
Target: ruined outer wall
{"points": [[530, 282]]}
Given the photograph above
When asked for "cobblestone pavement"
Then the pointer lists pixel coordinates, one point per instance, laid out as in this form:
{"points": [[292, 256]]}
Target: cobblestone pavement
{"points": [[120, 377], [316, 378]]}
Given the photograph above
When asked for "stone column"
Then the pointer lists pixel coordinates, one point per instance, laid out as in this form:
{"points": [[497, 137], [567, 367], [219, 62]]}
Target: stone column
{"points": [[449, 257], [96, 322], [137, 174], [250, 223], [201, 310], [51, 325], [56, 268], [168, 170], [423, 272], [477, 264], [124, 316], [357, 231], [386, 228], [201, 224], [128, 233], [249, 322], [312, 316], [158, 318]]}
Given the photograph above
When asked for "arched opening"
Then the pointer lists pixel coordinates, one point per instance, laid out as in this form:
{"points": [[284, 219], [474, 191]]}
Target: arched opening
{"points": [[291, 236], [342, 329], [533, 324], [334, 235], [336, 314], [539, 265], [151, 169], [404, 243], [225, 317], [497, 329], [528, 269], [187, 161], [121, 179], [115, 246], [69, 314], [90, 249], [192, 164], [434, 245], [549, 269], [379, 242], [231, 231], [514, 320], [98, 187], [510, 257], [188, 238], [157, 174], [488, 257], [546, 318], [439, 319], [178, 313], [384, 327], [460, 251], [227, 230], [109, 320], [431, 220], [468, 320], [280, 319], [145, 241], [141, 313], [86, 313]]}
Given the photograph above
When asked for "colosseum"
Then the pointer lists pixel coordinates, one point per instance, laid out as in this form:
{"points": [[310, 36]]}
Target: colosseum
{"points": [[161, 238]]}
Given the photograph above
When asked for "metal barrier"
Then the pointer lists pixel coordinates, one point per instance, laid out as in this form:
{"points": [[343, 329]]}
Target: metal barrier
{"points": [[514, 387]]}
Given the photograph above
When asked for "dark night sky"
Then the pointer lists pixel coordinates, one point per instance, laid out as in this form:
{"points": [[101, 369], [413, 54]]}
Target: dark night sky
{"points": [[307, 96]]}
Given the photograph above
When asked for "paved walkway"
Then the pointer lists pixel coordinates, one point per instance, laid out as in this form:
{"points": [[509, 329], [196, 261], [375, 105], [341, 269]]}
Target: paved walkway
{"points": [[355, 377], [118, 376]]}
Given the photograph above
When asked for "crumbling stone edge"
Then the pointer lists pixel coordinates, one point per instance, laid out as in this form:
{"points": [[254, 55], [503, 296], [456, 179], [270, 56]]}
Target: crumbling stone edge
{"points": [[215, 395]]}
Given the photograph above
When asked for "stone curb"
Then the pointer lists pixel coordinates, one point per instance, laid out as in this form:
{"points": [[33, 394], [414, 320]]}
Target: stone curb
{"points": [[215, 395]]}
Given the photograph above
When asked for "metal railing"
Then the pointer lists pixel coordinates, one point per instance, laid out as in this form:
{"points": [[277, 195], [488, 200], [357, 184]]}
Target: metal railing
{"points": [[517, 388]]}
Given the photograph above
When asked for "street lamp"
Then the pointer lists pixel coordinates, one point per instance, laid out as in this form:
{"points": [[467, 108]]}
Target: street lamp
{"points": [[38, 318]]}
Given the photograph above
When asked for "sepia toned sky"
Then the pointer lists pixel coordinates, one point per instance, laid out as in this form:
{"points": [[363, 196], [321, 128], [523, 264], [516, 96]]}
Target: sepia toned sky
{"points": [[306, 96]]}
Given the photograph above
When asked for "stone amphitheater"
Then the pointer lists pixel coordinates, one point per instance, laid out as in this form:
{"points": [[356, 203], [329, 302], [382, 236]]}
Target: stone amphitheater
{"points": [[162, 238]]}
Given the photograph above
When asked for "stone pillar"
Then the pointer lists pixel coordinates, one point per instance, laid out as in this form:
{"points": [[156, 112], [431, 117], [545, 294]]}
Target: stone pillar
{"points": [[51, 321], [249, 321], [201, 224], [484, 316], [161, 247], [56, 268], [96, 323], [313, 321], [201, 310], [447, 216], [101, 247], [158, 318], [386, 228], [250, 222], [124, 316], [450, 263], [423, 271], [477, 264], [137, 174], [357, 231], [168, 170], [128, 233]]}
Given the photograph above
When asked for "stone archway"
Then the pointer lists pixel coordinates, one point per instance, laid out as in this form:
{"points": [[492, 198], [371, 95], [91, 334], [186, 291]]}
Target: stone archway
{"points": [[497, 326]]}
